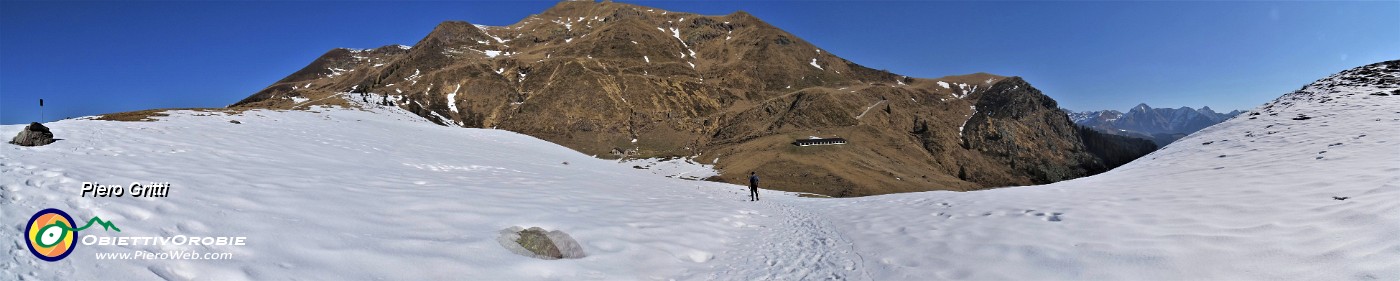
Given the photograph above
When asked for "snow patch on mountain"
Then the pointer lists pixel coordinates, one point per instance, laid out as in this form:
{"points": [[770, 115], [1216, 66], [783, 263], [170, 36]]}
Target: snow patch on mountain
{"points": [[681, 168], [969, 118], [452, 99]]}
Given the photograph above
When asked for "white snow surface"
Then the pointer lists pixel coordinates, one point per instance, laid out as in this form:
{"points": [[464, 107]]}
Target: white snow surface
{"points": [[969, 118], [965, 90], [814, 64], [682, 168], [452, 98], [414, 78], [338, 71], [676, 32], [354, 194], [344, 194]]}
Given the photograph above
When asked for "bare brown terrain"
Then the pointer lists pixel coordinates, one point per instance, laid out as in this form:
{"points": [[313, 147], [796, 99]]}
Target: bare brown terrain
{"points": [[730, 90], [151, 114]]}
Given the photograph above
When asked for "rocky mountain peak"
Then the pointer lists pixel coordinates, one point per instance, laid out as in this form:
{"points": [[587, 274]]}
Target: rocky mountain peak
{"points": [[1141, 107], [621, 80], [1013, 97], [454, 33], [1161, 125]]}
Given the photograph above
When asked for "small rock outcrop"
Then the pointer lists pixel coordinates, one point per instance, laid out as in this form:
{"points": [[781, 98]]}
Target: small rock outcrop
{"points": [[33, 135], [538, 243]]}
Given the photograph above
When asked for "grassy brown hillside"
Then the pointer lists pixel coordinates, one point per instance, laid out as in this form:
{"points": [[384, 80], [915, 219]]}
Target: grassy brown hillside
{"points": [[620, 80]]}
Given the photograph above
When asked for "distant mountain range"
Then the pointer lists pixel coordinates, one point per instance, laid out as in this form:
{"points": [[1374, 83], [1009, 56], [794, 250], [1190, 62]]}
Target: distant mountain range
{"points": [[1161, 125]]}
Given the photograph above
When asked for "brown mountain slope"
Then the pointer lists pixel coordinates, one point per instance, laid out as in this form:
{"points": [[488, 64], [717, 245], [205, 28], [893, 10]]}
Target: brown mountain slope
{"points": [[622, 80]]}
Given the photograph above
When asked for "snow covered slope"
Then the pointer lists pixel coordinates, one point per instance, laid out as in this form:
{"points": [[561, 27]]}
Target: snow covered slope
{"points": [[339, 194], [382, 194], [1247, 199]]}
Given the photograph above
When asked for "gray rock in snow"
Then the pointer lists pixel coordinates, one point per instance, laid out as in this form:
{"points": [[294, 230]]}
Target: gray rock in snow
{"points": [[537, 243], [33, 135]]}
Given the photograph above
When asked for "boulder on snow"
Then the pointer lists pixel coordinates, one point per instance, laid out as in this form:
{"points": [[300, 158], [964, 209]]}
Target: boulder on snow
{"points": [[33, 135], [535, 240], [538, 243]]}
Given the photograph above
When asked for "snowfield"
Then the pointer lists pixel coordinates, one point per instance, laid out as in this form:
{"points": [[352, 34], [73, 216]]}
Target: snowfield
{"points": [[334, 193]]}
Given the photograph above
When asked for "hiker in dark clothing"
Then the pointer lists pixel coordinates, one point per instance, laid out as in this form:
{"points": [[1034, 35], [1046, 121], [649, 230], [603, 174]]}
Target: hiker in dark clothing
{"points": [[753, 186]]}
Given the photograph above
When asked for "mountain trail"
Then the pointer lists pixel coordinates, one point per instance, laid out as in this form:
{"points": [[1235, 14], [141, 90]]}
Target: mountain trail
{"points": [[798, 246]]}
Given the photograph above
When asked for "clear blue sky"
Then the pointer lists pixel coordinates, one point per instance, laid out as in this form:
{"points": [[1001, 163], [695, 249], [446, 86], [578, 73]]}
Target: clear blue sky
{"points": [[87, 58]]}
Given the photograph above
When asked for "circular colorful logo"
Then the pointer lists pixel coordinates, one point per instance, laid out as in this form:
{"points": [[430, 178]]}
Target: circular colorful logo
{"points": [[49, 235]]}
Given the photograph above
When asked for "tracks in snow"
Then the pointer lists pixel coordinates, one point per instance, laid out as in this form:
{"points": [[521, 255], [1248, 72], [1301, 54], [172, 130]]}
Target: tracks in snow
{"points": [[801, 246]]}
